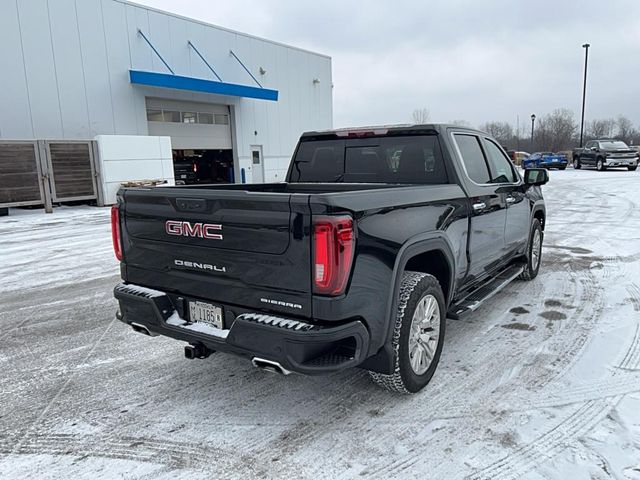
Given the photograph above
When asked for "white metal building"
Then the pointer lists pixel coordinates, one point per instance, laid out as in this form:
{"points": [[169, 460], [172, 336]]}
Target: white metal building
{"points": [[78, 69]]}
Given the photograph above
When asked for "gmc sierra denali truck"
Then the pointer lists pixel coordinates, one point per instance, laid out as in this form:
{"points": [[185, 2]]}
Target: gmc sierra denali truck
{"points": [[377, 235]]}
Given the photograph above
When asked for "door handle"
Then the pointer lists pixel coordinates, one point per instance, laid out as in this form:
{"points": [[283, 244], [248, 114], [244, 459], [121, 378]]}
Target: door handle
{"points": [[510, 199], [479, 206]]}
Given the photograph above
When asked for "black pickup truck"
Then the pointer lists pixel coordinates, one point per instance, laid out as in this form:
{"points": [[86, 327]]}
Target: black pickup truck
{"points": [[604, 154], [375, 238]]}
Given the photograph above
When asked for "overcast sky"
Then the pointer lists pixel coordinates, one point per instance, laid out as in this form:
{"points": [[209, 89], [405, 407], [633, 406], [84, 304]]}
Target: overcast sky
{"points": [[463, 60]]}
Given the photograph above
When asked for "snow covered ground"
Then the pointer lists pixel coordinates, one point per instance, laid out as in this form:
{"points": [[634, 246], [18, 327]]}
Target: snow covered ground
{"points": [[541, 382]]}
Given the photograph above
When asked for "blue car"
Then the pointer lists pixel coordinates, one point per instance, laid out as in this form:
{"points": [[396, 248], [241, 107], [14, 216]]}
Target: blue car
{"points": [[546, 160]]}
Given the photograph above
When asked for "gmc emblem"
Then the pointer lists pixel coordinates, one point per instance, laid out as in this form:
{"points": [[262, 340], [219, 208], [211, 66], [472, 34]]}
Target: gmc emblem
{"points": [[188, 229]]}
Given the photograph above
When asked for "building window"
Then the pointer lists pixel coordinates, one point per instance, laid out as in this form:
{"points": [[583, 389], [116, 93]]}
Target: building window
{"points": [[189, 117], [154, 115], [171, 116], [222, 119], [206, 118], [174, 116]]}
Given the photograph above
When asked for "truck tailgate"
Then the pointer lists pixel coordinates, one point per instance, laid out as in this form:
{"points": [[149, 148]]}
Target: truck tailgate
{"points": [[230, 246]]}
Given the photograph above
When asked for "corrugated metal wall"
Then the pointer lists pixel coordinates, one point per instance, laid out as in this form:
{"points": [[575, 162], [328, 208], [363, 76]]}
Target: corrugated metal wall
{"points": [[66, 62]]}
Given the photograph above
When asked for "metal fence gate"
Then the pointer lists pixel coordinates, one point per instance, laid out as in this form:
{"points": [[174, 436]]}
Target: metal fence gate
{"points": [[21, 179], [71, 171], [46, 171]]}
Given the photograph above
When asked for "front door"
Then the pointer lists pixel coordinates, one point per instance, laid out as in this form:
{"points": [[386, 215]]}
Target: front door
{"points": [[488, 209], [516, 231], [257, 164], [588, 155]]}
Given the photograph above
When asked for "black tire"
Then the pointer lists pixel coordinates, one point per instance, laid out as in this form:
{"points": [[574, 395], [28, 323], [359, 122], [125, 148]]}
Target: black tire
{"points": [[415, 288], [532, 267], [563, 168], [600, 165], [632, 169], [576, 163]]}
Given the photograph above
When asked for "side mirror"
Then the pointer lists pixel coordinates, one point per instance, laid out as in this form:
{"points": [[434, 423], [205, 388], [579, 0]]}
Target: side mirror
{"points": [[593, 149], [535, 176]]}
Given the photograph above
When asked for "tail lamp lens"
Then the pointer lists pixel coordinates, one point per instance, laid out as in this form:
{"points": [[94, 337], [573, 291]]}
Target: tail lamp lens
{"points": [[115, 232], [333, 239]]}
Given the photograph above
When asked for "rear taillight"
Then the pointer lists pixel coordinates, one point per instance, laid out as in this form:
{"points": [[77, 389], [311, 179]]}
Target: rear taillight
{"points": [[333, 241], [115, 232]]}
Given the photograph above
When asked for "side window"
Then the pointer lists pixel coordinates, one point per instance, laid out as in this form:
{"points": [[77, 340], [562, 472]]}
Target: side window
{"points": [[472, 157], [499, 164], [590, 144]]}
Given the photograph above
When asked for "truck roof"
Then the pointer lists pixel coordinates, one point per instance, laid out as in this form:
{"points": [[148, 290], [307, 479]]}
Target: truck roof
{"points": [[375, 130]]}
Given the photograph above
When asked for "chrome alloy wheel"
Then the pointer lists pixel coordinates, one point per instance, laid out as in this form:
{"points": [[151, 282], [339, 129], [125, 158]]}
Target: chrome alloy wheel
{"points": [[423, 337], [536, 249]]}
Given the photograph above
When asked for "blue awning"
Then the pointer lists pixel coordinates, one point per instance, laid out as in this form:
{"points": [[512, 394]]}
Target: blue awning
{"points": [[166, 80]]}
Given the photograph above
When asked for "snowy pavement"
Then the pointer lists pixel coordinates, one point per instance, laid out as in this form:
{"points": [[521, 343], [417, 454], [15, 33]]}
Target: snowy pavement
{"points": [[541, 382]]}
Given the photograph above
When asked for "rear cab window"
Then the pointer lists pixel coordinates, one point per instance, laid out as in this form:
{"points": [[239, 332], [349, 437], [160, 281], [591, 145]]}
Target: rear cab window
{"points": [[407, 159]]}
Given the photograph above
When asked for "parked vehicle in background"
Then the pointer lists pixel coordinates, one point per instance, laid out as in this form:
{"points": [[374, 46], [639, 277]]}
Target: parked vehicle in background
{"points": [[184, 171], [356, 260], [604, 154], [546, 160], [517, 157]]}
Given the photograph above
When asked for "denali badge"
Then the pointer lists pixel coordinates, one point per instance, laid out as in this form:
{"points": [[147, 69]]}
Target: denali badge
{"points": [[281, 303], [188, 229], [201, 266]]}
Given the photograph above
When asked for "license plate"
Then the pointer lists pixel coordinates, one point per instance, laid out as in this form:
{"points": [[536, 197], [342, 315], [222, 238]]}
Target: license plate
{"points": [[206, 313]]}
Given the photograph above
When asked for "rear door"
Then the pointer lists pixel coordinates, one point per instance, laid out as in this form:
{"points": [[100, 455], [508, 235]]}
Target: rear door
{"points": [[488, 207], [230, 246]]}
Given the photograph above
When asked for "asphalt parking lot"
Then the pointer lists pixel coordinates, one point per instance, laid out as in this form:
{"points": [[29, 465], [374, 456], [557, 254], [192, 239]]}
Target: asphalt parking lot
{"points": [[541, 382]]}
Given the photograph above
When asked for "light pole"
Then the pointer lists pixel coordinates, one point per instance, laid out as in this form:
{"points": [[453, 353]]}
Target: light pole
{"points": [[584, 89], [533, 121]]}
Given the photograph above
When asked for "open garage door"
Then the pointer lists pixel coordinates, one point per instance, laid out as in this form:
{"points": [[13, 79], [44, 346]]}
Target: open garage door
{"points": [[200, 139]]}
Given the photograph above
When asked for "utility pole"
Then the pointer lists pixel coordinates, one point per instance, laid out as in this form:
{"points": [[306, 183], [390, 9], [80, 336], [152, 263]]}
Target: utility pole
{"points": [[584, 89]]}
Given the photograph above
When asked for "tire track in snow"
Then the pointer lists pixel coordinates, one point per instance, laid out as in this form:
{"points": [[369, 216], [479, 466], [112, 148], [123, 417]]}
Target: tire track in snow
{"points": [[634, 292], [559, 437], [140, 449], [548, 445]]}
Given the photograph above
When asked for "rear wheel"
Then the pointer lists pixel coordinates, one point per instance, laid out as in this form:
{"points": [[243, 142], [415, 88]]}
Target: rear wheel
{"points": [[562, 168], [534, 252], [600, 165], [418, 334], [633, 169], [576, 163]]}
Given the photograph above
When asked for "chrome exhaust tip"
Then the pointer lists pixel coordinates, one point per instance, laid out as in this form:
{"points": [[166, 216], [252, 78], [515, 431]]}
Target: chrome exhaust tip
{"points": [[143, 329], [269, 366]]}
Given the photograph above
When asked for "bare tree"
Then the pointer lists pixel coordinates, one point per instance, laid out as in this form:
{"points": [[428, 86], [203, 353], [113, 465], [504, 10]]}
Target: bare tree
{"points": [[625, 129], [501, 131], [420, 116], [556, 131], [601, 128]]}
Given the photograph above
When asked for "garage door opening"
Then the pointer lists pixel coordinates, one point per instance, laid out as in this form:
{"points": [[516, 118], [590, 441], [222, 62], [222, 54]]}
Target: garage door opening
{"points": [[203, 166]]}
